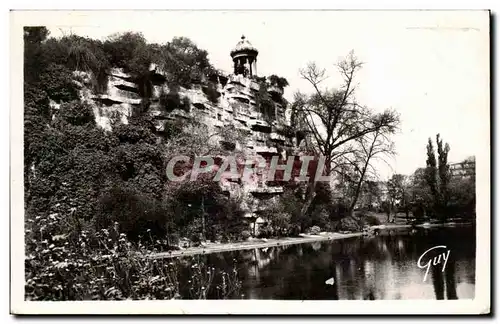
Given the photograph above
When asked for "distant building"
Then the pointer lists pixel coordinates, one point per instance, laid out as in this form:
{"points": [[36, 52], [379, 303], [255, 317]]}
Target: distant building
{"points": [[465, 169]]}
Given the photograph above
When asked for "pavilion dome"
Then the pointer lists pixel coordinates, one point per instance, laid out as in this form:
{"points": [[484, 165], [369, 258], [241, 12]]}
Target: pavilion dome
{"points": [[244, 46]]}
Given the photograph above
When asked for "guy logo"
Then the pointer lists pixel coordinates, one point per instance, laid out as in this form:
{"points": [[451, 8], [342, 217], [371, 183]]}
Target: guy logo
{"points": [[433, 261]]}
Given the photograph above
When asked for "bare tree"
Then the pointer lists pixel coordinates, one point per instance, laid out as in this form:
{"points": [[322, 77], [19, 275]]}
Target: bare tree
{"points": [[371, 147], [334, 119]]}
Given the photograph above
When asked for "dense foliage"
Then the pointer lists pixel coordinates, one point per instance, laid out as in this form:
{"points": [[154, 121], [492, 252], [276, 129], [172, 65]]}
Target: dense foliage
{"points": [[448, 196], [93, 197]]}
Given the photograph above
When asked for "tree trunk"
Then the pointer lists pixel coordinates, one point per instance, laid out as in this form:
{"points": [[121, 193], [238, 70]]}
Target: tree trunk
{"points": [[310, 194], [358, 190], [390, 207], [361, 177], [203, 219]]}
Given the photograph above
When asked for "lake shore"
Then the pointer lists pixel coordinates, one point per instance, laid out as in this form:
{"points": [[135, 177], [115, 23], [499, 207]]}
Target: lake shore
{"points": [[304, 238]]}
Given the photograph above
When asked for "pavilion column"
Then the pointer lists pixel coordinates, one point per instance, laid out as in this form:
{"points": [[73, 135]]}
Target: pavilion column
{"points": [[250, 64]]}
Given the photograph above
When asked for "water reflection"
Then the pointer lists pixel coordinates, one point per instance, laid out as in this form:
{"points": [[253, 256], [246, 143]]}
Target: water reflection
{"points": [[381, 267]]}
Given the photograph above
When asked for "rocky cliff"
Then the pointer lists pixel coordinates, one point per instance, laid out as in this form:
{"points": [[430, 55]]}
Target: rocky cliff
{"points": [[231, 100]]}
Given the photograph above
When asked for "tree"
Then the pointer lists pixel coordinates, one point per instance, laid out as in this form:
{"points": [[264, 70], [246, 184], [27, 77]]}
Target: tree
{"points": [[125, 50], [33, 52], [334, 119], [368, 148], [184, 62], [443, 171], [277, 81], [399, 193], [265, 104], [371, 194], [393, 187], [438, 176]]}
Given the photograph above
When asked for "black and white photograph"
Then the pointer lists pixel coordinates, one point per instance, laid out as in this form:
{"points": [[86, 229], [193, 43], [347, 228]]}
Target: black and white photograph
{"points": [[253, 159]]}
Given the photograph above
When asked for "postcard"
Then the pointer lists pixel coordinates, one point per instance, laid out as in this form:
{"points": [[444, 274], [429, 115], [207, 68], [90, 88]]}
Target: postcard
{"points": [[250, 162]]}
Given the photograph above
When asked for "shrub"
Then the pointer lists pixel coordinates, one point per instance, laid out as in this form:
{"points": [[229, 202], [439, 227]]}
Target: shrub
{"points": [[294, 230], [186, 104], [57, 81], [315, 230], [211, 92], [369, 220], [339, 211], [245, 234], [277, 81], [195, 239], [348, 224], [121, 49], [170, 101], [136, 214], [76, 113], [265, 232]]}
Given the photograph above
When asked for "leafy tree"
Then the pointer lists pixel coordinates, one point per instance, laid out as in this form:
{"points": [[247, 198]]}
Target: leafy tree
{"points": [[399, 193], [438, 176], [184, 62], [371, 194], [126, 50], [443, 170], [277, 81], [265, 104], [33, 52]]}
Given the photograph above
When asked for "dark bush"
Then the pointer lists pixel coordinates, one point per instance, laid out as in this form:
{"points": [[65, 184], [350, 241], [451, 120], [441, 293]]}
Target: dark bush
{"points": [[76, 113], [339, 210], [245, 234], [277, 81], [265, 232], [368, 220], [211, 92], [294, 230], [348, 224], [195, 239], [186, 104], [170, 101], [136, 213], [56, 80]]}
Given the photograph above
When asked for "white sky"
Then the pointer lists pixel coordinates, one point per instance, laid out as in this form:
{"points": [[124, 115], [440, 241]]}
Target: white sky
{"points": [[432, 67]]}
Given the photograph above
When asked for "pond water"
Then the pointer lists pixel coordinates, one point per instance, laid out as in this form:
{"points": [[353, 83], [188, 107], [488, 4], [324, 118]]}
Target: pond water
{"points": [[379, 267]]}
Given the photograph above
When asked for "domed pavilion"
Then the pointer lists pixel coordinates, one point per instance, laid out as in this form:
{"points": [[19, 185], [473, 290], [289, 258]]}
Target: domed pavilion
{"points": [[244, 57]]}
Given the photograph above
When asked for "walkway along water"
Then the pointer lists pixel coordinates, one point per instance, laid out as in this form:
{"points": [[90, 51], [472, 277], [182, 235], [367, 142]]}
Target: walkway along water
{"points": [[325, 236]]}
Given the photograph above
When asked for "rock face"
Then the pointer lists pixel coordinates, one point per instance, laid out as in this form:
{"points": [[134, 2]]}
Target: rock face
{"points": [[234, 101]]}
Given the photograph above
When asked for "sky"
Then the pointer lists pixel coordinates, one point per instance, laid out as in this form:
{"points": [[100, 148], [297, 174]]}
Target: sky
{"points": [[431, 67]]}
